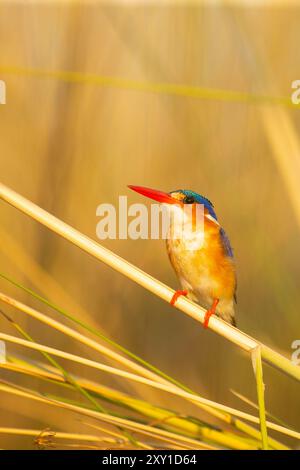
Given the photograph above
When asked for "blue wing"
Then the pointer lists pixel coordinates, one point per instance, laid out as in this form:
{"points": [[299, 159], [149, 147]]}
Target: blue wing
{"points": [[229, 252], [226, 243]]}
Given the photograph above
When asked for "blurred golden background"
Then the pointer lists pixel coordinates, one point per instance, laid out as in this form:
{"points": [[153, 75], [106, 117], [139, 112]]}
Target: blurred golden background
{"points": [[90, 109]]}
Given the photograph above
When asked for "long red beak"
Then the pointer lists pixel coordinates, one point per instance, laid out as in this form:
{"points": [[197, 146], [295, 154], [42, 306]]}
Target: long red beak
{"points": [[159, 196]]}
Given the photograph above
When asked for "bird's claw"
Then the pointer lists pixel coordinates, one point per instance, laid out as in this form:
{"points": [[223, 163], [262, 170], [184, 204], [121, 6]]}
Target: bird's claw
{"points": [[177, 294], [209, 313]]}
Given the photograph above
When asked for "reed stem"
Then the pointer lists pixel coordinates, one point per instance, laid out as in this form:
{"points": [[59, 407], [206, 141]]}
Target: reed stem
{"points": [[232, 334]]}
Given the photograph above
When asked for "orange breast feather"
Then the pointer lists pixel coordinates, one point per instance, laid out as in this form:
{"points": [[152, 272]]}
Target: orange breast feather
{"points": [[208, 267]]}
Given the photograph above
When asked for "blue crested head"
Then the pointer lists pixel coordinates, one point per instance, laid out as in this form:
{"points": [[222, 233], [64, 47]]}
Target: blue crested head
{"points": [[191, 197], [186, 196]]}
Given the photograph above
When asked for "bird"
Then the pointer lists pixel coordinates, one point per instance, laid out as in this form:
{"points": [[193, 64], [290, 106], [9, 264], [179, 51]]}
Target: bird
{"points": [[203, 258]]}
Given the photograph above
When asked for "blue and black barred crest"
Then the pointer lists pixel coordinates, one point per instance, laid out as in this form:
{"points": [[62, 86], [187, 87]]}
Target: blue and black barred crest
{"points": [[192, 196]]}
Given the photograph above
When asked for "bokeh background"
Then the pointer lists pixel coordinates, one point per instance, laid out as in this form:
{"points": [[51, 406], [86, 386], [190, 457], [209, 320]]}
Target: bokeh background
{"points": [[92, 106]]}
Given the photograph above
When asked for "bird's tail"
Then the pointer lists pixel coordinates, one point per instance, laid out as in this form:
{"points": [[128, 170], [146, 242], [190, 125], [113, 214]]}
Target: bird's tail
{"points": [[225, 310]]}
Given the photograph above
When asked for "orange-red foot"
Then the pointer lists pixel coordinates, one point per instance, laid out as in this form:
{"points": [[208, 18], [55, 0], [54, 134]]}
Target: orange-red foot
{"points": [[177, 294], [210, 312]]}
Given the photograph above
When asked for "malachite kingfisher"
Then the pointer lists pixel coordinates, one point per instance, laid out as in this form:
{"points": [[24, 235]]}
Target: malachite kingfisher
{"points": [[207, 273]]}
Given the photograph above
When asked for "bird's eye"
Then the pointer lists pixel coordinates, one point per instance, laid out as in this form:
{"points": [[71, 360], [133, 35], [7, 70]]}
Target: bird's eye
{"points": [[189, 200]]}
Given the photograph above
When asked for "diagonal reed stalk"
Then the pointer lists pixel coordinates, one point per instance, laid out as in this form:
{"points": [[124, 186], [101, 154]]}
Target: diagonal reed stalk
{"points": [[52, 361], [226, 417], [239, 338], [46, 438], [260, 386], [44, 282], [57, 434], [164, 416], [169, 420], [157, 414], [232, 334], [173, 446], [142, 380], [39, 276], [115, 397], [67, 377], [129, 364], [255, 406], [151, 87], [161, 434], [81, 338], [161, 416], [158, 375]]}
